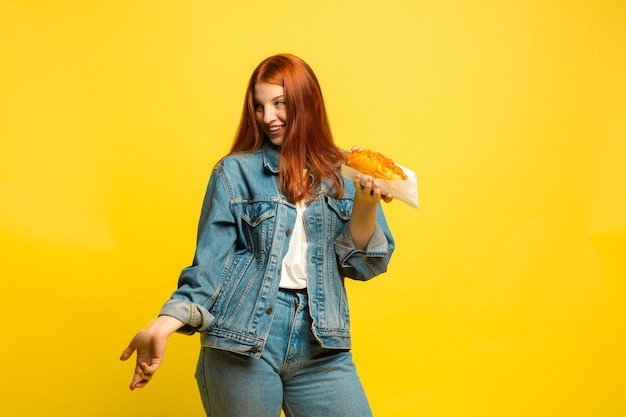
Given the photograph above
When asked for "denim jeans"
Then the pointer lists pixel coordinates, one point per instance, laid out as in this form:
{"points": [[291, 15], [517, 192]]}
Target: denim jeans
{"points": [[294, 373]]}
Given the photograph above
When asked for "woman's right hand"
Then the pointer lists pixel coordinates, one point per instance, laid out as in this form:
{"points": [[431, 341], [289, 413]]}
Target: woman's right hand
{"points": [[150, 346]]}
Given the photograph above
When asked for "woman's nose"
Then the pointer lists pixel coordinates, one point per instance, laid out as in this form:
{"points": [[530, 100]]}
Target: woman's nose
{"points": [[269, 115]]}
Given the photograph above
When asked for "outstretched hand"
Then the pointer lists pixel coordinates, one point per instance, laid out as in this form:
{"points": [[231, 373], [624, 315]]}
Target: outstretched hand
{"points": [[150, 347], [150, 351]]}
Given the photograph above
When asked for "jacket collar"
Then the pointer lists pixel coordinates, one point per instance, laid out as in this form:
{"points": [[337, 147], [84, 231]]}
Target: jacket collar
{"points": [[270, 163], [270, 157]]}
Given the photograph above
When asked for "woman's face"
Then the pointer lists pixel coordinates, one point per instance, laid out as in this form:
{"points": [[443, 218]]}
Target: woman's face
{"points": [[271, 112]]}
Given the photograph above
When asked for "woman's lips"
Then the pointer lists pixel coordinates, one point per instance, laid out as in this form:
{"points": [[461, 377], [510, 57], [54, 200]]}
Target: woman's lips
{"points": [[275, 130]]}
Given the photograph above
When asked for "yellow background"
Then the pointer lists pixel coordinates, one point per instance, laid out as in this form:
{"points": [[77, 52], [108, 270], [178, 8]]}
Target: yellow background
{"points": [[505, 295]]}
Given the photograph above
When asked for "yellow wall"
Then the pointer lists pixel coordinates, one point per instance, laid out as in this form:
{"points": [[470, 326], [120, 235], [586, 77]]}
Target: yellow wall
{"points": [[505, 295]]}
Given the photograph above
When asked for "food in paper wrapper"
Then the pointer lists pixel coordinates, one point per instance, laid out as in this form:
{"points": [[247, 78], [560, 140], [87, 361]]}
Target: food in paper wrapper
{"points": [[395, 179]]}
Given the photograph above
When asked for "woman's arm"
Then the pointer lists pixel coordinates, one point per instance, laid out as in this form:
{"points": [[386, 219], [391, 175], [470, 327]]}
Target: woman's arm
{"points": [[363, 218]]}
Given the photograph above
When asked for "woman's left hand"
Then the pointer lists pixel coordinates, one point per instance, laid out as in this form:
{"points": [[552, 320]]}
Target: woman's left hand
{"points": [[370, 193]]}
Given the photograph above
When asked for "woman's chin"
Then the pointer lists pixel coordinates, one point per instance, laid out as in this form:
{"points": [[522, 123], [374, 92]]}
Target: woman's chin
{"points": [[276, 141]]}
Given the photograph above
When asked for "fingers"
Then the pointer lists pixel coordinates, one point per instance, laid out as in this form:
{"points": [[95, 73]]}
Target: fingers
{"points": [[139, 380], [366, 188], [143, 375], [370, 190], [127, 353], [149, 370]]}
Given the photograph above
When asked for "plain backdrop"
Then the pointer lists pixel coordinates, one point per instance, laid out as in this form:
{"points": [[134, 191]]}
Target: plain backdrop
{"points": [[505, 295]]}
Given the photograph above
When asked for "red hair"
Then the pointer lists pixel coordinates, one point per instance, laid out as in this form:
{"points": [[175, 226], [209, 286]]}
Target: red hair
{"points": [[308, 142]]}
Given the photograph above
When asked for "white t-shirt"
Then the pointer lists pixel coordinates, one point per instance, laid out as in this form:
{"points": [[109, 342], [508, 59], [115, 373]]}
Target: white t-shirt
{"points": [[293, 275]]}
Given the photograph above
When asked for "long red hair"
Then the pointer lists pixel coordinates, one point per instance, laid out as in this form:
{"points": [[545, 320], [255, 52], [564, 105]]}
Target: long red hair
{"points": [[308, 142]]}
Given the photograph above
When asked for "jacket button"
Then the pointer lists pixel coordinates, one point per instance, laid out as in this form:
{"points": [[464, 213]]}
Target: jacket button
{"points": [[254, 349], [269, 310], [288, 232], [255, 218]]}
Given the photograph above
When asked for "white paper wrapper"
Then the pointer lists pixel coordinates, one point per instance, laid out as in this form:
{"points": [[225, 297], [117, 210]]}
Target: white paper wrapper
{"points": [[403, 190]]}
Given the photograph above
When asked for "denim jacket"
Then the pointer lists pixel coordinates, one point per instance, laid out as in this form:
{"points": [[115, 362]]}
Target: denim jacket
{"points": [[228, 292]]}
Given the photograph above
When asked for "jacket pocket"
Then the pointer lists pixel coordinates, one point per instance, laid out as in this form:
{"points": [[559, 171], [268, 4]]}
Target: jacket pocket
{"points": [[258, 220], [341, 208]]}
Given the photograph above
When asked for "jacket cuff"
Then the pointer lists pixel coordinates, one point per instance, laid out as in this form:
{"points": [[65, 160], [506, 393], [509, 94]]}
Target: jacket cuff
{"points": [[195, 317], [377, 246]]}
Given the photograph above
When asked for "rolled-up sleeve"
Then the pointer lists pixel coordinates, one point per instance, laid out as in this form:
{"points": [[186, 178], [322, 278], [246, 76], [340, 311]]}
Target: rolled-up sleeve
{"points": [[195, 317], [366, 264]]}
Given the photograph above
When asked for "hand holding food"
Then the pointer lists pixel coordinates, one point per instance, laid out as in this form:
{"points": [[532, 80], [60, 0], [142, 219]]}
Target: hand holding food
{"points": [[395, 180]]}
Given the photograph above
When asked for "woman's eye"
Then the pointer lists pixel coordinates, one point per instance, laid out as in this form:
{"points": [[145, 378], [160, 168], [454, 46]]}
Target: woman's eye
{"points": [[258, 108], [279, 103]]}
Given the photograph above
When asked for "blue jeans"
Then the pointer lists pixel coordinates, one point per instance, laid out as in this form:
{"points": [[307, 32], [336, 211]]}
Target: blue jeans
{"points": [[294, 373]]}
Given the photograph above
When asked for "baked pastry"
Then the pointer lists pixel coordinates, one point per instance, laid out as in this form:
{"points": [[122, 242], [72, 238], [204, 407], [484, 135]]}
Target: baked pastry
{"points": [[374, 164]]}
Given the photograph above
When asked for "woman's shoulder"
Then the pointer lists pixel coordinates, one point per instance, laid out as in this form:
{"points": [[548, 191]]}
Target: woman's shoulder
{"points": [[238, 158], [238, 165]]}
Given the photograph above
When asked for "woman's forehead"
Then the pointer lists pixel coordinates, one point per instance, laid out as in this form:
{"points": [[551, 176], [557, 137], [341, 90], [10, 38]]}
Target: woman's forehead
{"points": [[266, 91]]}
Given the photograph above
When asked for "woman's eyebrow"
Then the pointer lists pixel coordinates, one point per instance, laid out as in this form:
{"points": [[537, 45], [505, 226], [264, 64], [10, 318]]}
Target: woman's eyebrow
{"points": [[281, 97]]}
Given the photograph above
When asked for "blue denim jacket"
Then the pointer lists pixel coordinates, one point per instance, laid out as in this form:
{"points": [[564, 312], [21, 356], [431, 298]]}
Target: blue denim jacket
{"points": [[228, 292]]}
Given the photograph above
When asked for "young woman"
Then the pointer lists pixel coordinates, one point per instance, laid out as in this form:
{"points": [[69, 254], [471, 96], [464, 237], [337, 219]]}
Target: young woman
{"points": [[278, 233]]}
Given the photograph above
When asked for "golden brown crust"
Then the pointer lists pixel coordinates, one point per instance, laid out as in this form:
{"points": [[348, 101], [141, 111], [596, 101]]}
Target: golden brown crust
{"points": [[374, 164]]}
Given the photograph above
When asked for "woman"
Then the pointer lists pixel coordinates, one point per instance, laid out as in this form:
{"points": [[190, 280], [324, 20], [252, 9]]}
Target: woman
{"points": [[278, 232]]}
